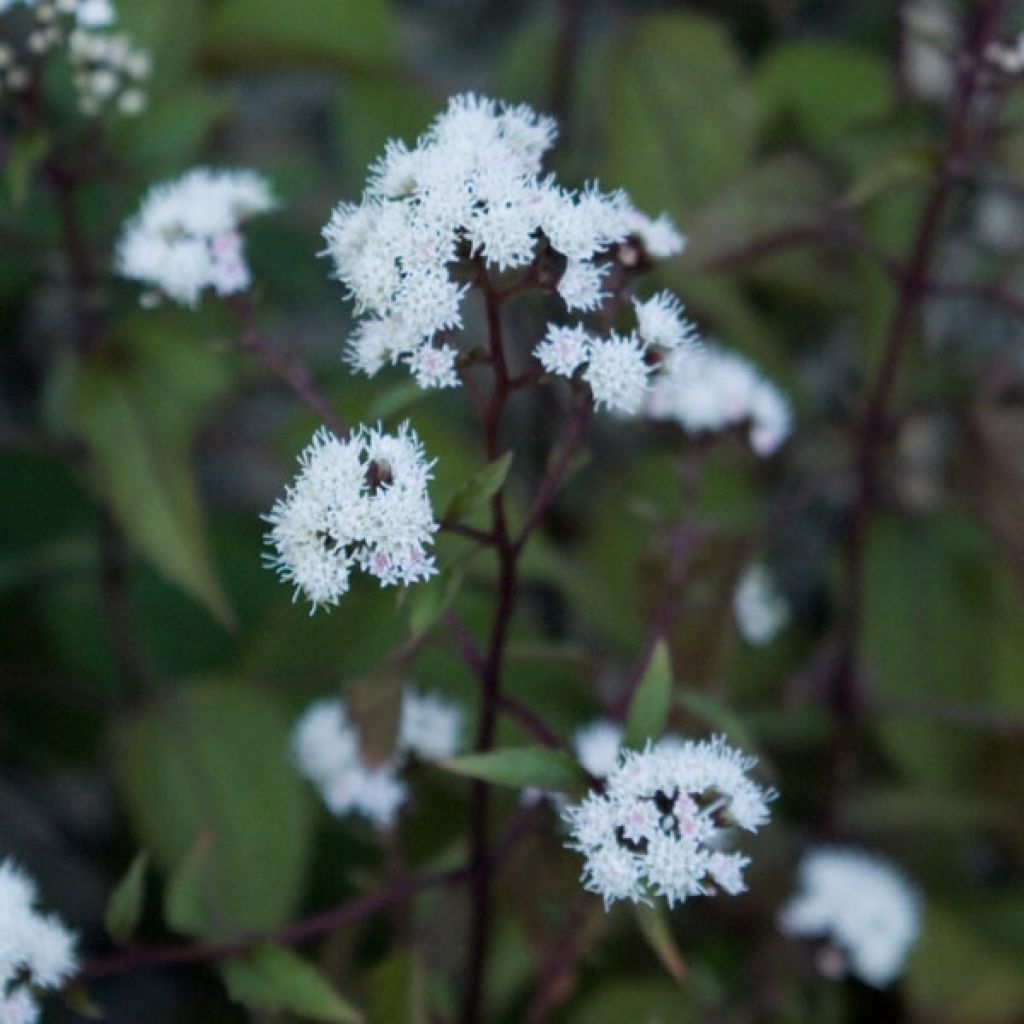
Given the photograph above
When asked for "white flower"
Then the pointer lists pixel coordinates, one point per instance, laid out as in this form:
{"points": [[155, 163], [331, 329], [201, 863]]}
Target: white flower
{"points": [[660, 236], [597, 747], [35, 949], [470, 187], [861, 903], [617, 373], [430, 727], [326, 750], [187, 234], [660, 322], [665, 812], [708, 389], [564, 349], [360, 502], [434, 367], [761, 609]]}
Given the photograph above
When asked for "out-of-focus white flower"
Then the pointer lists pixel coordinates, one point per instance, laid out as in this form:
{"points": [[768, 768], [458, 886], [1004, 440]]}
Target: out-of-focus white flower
{"points": [[760, 607], [597, 747], [326, 750], [471, 187], [658, 828], [709, 389], [36, 950], [660, 322], [359, 502], [108, 71], [430, 727], [930, 42], [862, 904], [999, 221], [187, 236]]}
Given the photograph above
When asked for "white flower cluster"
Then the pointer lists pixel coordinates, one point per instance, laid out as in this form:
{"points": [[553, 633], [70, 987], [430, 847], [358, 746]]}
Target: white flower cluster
{"points": [[863, 905], [597, 747], [712, 389], [470, 187], [187, 236], [618, 367], [658, 828], [761, 609], [108, 70], [358, 502], [326, 749], [36, 950]]}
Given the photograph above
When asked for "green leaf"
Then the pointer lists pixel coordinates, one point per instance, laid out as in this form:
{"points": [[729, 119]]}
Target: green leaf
{"points": [[213, 758], [374, 705], [351, 34], [271, 978], [429, 601], [649, 709], [137, 404], [678, 114], [654, 926], [479, 489], [124, 908], [28, 150], [188, 906], [616, 1000], [519, 767], [908, 165], [78, 1000], [829, 88], [396, 991], [957, 973], [716, 714]]}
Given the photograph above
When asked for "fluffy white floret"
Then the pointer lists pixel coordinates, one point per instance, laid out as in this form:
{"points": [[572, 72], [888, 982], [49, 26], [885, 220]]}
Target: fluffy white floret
{"points": [[187, 235], [360, 503], [660, 824], [660, 322], [326, 750], [710, 389], [760, 607], [617, 372], [564, 349], [36, 950], [861, 903]]}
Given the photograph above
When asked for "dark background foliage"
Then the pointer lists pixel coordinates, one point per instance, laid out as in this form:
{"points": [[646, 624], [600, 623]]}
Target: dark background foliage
{"points": [[151, 666]]}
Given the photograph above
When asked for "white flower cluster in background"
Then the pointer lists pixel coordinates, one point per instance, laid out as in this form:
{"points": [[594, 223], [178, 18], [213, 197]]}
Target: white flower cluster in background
{"points": [[618, 367], [109, 72], [710, 389], [471, 187], [36, 951], [326, 749], [659, 826], [863, 905], [760, 607], [359, 502], [187, 236], [597, 747], [107, 69]]}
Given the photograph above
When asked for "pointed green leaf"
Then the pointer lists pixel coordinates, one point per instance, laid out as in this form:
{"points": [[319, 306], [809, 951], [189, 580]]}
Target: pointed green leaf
{"points": [[137, 404], [649, 710], [28, 149], [429, 601], [271, 978], [187, 902], [519, 767], [124, 908], [653, 924], [908, 165], [479, 489]]}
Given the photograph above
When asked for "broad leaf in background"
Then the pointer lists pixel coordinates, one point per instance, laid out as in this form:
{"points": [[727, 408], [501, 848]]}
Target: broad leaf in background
{"points": [[679, 116], [520, 767], [649, 709], [213, 758], [347, 34], [137, 404], [396, 991], [271, 978], [826, 87]]}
